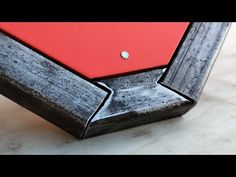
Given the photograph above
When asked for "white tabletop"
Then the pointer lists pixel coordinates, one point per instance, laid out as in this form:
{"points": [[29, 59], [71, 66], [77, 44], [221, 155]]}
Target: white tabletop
{"points": [[209, 128]]}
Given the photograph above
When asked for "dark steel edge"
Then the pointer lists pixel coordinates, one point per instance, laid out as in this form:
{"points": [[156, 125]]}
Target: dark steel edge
{"points": [[46, 88], [194, 60]]}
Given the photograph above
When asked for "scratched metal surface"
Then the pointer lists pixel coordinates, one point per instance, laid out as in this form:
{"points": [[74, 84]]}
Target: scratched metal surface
{"points": [[189, 71], [46, 88], [134, 100], [210, 127]]}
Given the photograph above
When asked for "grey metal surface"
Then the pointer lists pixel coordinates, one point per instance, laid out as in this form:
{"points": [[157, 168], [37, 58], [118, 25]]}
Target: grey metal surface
{"points": [[136, 99], [45, 88], [195, 58]]}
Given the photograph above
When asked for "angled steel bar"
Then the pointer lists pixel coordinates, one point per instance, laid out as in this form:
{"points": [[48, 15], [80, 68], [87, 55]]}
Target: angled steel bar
{"points": [[194, 60], [46, 88]]}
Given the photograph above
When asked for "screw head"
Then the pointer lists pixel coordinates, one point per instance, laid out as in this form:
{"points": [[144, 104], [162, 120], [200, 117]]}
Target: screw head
{"points": [[124, 55]]}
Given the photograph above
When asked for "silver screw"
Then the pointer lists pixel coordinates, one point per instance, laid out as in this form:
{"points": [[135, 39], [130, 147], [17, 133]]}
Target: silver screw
{"points": [[124, 55]]}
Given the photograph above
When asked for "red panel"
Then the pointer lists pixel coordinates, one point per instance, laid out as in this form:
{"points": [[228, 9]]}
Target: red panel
{"points": [[93, 48]]}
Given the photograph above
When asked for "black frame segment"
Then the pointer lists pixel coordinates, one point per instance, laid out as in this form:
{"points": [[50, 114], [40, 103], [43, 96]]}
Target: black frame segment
{"points": [[195, 58], [46, 88]]}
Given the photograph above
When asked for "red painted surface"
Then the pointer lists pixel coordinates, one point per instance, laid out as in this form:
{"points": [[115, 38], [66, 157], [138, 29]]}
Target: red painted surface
{"points": [[93, 48]]}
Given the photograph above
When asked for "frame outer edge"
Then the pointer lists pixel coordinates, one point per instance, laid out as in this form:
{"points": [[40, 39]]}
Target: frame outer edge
{"points": [[46, 88], [194, 60]]}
